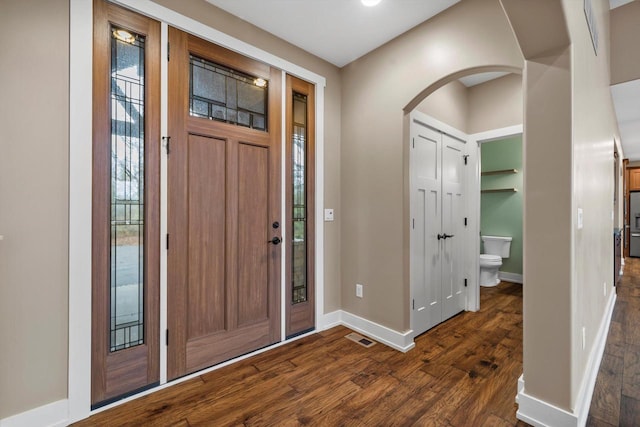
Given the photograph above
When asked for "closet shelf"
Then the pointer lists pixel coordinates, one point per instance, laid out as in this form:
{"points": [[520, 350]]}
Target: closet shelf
{"points": [[500, 190], [500, 172]]}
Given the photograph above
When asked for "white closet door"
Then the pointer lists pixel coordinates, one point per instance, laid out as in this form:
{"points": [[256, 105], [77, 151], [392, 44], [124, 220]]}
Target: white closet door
{"points": [[426, 173], [453, 170], [437, 229]]}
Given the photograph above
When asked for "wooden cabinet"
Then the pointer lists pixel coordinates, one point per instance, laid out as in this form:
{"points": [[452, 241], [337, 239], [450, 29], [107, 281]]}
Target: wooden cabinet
{"points": [[634, 179]]}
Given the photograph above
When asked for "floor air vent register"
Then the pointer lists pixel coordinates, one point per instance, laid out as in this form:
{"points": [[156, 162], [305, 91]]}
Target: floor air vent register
{"points": [[357, 338]]}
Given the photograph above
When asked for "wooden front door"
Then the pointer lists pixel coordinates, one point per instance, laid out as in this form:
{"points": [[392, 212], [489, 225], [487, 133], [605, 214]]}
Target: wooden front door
{"points": [[223, 205]]}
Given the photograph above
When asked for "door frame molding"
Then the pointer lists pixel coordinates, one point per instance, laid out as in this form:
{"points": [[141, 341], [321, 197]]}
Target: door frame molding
{"points": [[473, 290], [474, 203], [80, 176]]}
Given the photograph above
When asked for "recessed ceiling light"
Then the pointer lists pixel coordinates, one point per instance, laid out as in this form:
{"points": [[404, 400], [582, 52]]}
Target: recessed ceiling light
{"points": [[370, 3]]}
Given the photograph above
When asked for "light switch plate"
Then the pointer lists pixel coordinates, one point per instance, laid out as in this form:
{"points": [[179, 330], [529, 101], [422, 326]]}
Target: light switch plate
{"points": [[580, 223], [328, 214]]}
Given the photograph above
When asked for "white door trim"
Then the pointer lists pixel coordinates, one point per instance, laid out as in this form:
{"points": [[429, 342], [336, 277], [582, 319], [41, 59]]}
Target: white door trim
{"points": [[474, 200], [80, 157]]}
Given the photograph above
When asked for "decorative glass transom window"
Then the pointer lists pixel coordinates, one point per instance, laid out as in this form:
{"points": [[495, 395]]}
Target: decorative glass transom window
{"points": [[219, 93]]}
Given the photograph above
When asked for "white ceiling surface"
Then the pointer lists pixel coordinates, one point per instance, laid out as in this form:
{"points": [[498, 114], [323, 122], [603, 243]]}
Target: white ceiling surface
{"points": [[476, 79], [617, 3], [625, 101], [338, 31], [341, 31]]}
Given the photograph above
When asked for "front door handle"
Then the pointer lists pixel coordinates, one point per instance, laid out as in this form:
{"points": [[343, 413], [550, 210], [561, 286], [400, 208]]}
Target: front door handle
{"points": [[275, 241], [446, 236]]}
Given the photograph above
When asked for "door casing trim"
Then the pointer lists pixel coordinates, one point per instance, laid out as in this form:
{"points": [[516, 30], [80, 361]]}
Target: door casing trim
{"points": [[472, 297], [474, 203]]}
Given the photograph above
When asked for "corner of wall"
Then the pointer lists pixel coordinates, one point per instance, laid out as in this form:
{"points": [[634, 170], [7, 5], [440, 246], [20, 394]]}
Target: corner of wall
{"points": [[540, 413], [401, 341]]}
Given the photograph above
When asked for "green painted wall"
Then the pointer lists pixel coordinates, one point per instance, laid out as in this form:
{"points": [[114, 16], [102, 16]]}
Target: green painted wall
{"points": [[501, 213]]}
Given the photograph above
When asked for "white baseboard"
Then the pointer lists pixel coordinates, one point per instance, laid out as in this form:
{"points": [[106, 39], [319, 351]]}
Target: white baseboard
{"points": [[585, 393], [510, 277], [332, 319], [540, 413], [401, 341], [53, 414]]}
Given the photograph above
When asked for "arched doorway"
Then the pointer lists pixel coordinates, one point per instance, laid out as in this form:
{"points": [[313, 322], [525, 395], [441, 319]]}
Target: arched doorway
{"points": [[443, 130]]}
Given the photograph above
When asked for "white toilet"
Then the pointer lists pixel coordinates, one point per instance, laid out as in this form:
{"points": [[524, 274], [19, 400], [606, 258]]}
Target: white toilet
{"points": [[495, 248]]}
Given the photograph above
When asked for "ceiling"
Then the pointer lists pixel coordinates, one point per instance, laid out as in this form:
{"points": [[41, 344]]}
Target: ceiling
{"points": [[625, 101], [617, 3], [476, 79], [341, 31], [338, 31]]}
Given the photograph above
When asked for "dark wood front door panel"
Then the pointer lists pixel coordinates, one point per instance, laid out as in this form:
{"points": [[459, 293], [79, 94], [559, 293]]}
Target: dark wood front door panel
{"points": [[253, 234], [205, 257], [224, 195]]}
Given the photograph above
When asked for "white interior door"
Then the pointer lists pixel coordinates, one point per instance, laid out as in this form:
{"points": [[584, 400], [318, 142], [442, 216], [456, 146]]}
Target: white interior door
{"points": [[426, 197], [453, 208], [437, 234]]}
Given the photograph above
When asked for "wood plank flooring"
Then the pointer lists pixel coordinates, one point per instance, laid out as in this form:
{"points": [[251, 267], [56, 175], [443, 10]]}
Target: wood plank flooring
{"points": [[461, 373], [616, 397]]}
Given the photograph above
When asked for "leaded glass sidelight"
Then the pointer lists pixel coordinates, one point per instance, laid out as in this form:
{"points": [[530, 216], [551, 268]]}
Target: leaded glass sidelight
{"points": [[299, 213], [127, 190], [220, 93]]}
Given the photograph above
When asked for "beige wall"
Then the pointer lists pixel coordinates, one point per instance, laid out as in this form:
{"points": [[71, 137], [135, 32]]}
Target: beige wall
{"points": [[594, 130], [495, 104], [33, 203], [231, 25], [376, 89], [449, 104], [491, 105], [625, 39], [569, 134], [547, 229]]}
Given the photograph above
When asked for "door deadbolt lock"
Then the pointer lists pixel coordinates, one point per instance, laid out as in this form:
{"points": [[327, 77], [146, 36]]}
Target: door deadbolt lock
{"points": [[275, 225], [275, 241]]}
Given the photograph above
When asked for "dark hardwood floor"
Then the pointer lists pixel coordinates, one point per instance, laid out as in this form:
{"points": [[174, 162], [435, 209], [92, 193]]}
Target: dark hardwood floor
{"points": [[461, 373], [616, 397]]}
